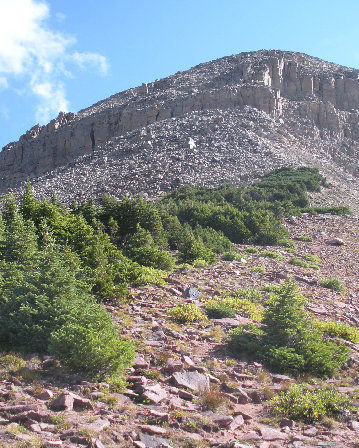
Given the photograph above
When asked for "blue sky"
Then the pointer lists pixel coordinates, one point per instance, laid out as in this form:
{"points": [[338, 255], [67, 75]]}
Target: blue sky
{"points": [[68, 54]]}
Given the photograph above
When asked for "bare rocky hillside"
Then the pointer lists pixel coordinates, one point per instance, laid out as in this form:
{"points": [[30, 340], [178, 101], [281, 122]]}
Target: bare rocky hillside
{"points": [[187, 389], [226, 120]]}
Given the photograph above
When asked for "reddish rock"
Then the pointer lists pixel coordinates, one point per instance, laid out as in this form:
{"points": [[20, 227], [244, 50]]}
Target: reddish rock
{"points": [[185, 395], [82, 403], [172, 366], [17, 409], [140, 363], [310, 432], [287, 422], [45, 395], [271, 434], [152, 429], [155, 394], [243, 397], [65, 402]]}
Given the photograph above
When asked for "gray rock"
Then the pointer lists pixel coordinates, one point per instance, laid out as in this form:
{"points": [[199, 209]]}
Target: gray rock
{"points": [[193, 380], [153, 441], [192, 293]]}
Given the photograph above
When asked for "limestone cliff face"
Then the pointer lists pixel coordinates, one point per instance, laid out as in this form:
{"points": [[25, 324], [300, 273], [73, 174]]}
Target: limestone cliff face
{"points": [[311, 99]]}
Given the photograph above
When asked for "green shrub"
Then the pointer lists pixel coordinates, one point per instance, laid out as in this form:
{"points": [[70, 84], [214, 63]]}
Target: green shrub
{"points": [[214, 240], [246, 340], [332, 283], [302, 403], [260, 269], [271, 254], [314, 266], [186, 313], [299, 262], [339, 330], [192, 248], [249, 294], [312, 257], [242, 306], [219, 310], [89, 343], [288, 340], [305, 238], [251, 250], [336, 210], [10, 362], [229, 256]]}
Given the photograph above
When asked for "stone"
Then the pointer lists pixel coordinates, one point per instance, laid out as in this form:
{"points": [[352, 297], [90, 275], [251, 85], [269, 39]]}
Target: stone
{"points": [[17, 409], [287, 422], [46, 394], [270, 434], [278, 378], [140, 363], [154, 394], [192, 293], [97, 426], [193, 380], [65, 402], [354, 426], [243, 397], [151, 429], [172, 365], [150, 441], [336, 242], [310, 432]]}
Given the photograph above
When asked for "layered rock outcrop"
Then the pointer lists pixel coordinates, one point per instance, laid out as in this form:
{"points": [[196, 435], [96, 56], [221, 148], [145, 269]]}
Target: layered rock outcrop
{"points": [[245, 114]]}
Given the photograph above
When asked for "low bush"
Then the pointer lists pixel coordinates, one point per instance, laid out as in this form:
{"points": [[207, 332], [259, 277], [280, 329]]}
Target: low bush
{"points": [[312, 257], [299, 262], [332, 283], [186, 313], [305, 238], [288, 340], [229, 256], [242, 306], [259, 269], [251, 250], [219, 310], [89, 343], [339, 330], [302, 403], [250, 294], [271, 254]]}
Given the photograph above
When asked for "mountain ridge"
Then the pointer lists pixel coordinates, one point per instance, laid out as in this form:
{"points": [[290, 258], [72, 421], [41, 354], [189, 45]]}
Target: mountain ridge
{"points": [[230, 119]]}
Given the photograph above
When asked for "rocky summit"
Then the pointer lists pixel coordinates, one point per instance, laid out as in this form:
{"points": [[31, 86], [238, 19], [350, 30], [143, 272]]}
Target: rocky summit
{"points": [[230, 120]]}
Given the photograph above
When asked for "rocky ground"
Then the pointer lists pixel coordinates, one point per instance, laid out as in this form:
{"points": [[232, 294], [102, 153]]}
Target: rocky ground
{"points": [[186, 389]]}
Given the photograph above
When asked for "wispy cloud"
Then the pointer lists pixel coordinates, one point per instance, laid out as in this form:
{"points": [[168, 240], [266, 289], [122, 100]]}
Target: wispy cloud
{"points": [[42, 58]]}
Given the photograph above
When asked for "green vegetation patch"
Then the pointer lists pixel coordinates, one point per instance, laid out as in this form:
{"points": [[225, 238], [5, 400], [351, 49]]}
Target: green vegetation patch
{"points": [[288, 340], [186, 313], [339, 330], [299, 262], [271, 254], [301, 402], [333, 283]]}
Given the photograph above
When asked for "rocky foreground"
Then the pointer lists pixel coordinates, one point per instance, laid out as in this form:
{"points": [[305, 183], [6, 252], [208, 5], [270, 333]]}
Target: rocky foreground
{"points": [[186, 389]]}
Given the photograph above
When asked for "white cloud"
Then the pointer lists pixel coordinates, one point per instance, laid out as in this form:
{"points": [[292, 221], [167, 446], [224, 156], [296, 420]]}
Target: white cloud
{"points": [[60, 16], [95, 59], [3, 82], [40, 57]]}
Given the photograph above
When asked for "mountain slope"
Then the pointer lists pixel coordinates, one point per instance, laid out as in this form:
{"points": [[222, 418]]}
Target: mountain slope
{"points": [[230, 119]]}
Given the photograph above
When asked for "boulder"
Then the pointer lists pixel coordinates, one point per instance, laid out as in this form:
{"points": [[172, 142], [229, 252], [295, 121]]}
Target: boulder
{"points": [[193, 380]]}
